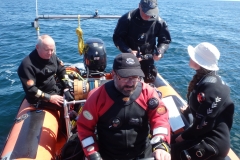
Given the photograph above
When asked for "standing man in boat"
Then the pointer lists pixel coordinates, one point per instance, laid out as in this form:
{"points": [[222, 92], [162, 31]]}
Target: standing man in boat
{"points": [[125, 111], [37, 73], [212, 109], [138, 30]]}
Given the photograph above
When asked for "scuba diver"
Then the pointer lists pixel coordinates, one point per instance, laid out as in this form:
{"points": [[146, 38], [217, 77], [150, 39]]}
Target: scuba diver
{"points": [[211, 106]]}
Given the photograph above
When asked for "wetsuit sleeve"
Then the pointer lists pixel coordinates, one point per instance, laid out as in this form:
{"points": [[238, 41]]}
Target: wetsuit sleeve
{"points": [[164, 38], [158, 117], [27, 76], [88, 118], [211, 98], [86, 124], [121, 33]]}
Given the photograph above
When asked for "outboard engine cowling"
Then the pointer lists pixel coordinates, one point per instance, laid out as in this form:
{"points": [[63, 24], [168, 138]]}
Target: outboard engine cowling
{"points": [[95, 55]]}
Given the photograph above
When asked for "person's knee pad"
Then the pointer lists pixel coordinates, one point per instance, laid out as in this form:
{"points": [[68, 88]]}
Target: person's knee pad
{"points": [[200, 151]]}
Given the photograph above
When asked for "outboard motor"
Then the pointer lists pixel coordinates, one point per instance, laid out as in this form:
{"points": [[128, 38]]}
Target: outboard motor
{"points": [[95, 55]]}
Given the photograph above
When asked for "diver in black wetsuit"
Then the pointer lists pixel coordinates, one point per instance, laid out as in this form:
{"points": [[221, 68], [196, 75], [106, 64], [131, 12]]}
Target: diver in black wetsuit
{"points": [[37, 73], [212, 109], [140, 28]]}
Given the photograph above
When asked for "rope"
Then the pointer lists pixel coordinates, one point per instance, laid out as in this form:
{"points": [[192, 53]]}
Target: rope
{"points": [[79, 33]]}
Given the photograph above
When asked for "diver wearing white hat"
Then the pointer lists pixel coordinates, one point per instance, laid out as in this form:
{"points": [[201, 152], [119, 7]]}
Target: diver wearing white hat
{"points": [[205, 55], [209, 101]]}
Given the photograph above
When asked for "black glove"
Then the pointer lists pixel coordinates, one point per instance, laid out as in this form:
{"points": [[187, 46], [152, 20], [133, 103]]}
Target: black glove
{"points": [[68, 95], [200, 151], [95, 156]]}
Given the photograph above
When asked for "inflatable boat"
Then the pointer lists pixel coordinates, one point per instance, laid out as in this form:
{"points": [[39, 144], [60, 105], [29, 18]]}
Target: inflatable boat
{"points": [[38, 133]]}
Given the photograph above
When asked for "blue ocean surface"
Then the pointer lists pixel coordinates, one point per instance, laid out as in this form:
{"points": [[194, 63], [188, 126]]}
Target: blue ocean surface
{"points": [[190, 22]]}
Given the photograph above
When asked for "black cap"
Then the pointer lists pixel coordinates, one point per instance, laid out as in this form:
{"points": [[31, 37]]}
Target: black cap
{"points": [[127, 65], [150, 7]]}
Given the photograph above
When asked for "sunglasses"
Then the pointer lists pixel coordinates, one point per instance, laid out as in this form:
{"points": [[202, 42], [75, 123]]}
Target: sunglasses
{"points": [[125, 80]]}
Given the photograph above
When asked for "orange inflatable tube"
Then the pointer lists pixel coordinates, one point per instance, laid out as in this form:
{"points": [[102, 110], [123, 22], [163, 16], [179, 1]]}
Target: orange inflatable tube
{"points": [[33, 135]]}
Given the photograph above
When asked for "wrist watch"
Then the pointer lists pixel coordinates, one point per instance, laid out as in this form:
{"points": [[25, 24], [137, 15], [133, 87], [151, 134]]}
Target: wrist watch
{"points": [[158, 143], [156, 139]]}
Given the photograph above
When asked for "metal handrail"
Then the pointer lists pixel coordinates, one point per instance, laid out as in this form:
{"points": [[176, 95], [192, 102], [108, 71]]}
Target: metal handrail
{"points": [[35, 24], [77, 16], [66, 114]]}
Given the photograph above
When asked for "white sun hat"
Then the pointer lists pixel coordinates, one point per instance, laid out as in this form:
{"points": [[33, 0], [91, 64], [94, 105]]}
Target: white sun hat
{"points": [[206, 55]]}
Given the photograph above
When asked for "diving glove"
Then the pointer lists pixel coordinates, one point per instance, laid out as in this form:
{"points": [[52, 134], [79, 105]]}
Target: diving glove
{"points": [[95, 156]]}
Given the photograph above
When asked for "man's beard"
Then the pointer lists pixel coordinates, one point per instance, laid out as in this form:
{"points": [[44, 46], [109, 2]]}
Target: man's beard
{"points": [[126, 92]]}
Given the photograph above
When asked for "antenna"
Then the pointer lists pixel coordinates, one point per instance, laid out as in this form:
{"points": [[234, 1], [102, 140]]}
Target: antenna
{"points": [[35, 23], [36, 9]]}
